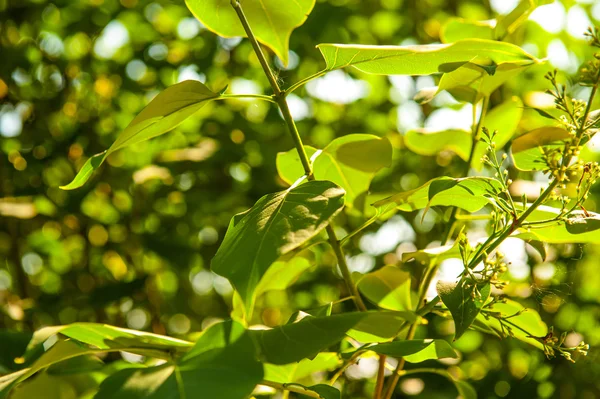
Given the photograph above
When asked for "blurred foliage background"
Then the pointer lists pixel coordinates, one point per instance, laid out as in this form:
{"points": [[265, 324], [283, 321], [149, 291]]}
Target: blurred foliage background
{"points": [[133, 247]]}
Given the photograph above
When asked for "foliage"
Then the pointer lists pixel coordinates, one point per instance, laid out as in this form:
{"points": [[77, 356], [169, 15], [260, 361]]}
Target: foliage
{"points": [[308, 287]]}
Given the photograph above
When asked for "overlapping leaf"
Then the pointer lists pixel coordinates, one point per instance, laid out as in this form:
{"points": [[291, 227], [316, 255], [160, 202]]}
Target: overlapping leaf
{"points": [[277, 224], [271, 22], [532, 150], [423, 59], [576, 228], [388, 288], [469, 193], [167, 110], [463, 304], [350, 161]]}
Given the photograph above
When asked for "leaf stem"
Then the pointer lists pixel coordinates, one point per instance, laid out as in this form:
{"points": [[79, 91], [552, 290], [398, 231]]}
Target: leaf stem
{"points": [[246, 96], [292, 388], [304, 81], [279, 97]]}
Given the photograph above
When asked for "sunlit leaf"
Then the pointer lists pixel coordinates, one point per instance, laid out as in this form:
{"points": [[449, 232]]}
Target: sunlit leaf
{"points": [[224, 353], [470, 193], [423, 59], [271, 23], [294, 372], [507, 24], [350, 162], [388, 288], [528, 150], [576, 228], [457, 29], [520, 319], [166, 111], [277, 224], [416, 350], [463, 303]]}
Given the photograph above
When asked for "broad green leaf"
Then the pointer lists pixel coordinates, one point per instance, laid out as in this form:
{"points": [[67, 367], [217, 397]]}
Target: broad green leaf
{"points": [[388, 288], [463, 306], [521, 318], [460, 29], [271, 22], [90, 339], [528, 150], [306, 338], [224, 353], [504, 119], [428, 143], [469, 193], [166, 111], [479, 78], [282, 274], [434, 255], [465, 390], [295, 372], [350, 162], [422, 59], [326, 391], [507, 24], [575, 229], [416, 350], [277, 224]]}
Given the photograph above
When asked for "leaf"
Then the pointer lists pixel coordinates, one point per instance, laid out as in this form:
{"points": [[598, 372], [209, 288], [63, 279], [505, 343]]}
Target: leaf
{"points": [[479, 78], [428, 143], [462, 305], [306, 338], [522, 318], [381, 326], [350, 161], [224, 353], [388, 288], [528, 150], [277, 224], [166, 111], [507, 24], [326, 391], [469, 193], [90, 339], [465, 390], [421, 59], [294, 372], [503, 118], [271, 23], [416, 350], [576, 229], [457, 29], [434, 255]]}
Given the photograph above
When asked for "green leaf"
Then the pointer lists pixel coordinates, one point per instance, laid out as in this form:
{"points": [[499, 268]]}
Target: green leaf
{"points": [[326, 391], [465, 390], [507, 24], [574, 229], [457, 29], [224, 353], [428, 143], [521, 318], [306, 338], [479, 78], [463, 306], [416, 350], [528, 150], [350, 161], [434, 255], [90, 339], [422, 59], [277, 224], [469, 193], [388, 288], [294, 372], [166, 111], [271, 23], [503, 118]]}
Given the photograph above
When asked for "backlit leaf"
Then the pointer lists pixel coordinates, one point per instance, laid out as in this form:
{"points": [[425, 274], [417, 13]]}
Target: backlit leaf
{"points": [[166, 111], [416, 350], [463, 306], [388, 288], [528, 150], [271, 23], [277, 224]]}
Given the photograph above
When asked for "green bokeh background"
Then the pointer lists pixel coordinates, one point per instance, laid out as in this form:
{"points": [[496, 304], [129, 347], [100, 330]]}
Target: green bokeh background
{"points": [[133, 247]]}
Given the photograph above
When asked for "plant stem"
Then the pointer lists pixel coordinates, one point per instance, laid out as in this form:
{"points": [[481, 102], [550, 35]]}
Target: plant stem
{"points": [[245, 96], [380, 377], [292, 388], [279, 97], [304, 81]]}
